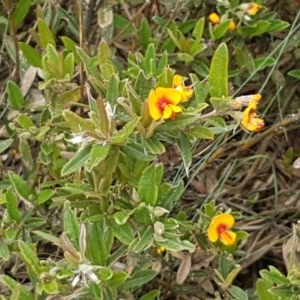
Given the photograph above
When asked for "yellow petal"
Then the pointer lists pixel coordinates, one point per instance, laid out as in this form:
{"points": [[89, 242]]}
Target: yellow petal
{"points": [[167, 112], [177, 80], [253, 9], [214, 18], [175, 108], [186, 92], [171, 94], [228, 237], [232, 25], [255, 124], [256, 97], [225, 218], [154, 110], [212, 234], [249, 120]]}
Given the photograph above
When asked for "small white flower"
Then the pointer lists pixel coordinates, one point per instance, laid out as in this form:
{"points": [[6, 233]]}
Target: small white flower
{"points": [[79, 138], [110, 110]]}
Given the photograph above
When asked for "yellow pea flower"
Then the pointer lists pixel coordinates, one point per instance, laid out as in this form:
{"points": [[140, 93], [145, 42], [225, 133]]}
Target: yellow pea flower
{"points": [[161, 250], [185, 91], [163, 103], [219, 229], [214, 18], [250, 121], [253, 9], [232, 25]]}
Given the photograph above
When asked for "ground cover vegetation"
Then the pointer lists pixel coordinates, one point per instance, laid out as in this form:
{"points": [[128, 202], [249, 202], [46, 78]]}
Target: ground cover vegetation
{"points": [[149, 149]]}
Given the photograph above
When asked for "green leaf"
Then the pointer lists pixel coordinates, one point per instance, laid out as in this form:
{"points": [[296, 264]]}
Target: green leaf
{"points": [[232, 275], [118, 278], [142, 85], [44, 195], [172, 196], [263, 62], [68, 65], [274, 275], [262, 290], [123, 233], [283, 291], [5, 144], [121, 217], [139, 278], [31, 55], [162, 64], [90, 64], [50, 287], [13, 285], [107, 70], [185, 150], [20, 11], [201, 132], [15, 96], [70, 45], [149, 60], [294, 73], [4, 251], [99, 242], [122, 135], [154, 145], [258, 28], [76, 123], [25, 152], [147, 188], [277, 25], [105, 274], [143, 214], [137, 151], [104, 53], [98, 153], [221, 29], [113, 89], [45, 34], [12, 204], [73, 95], [220, 102], [48, 237], [35, 222], [174, 39], [77, 161], [152, 295], [218, 73], [145, 33], [24, 121], [52, 63], [145, 240], [180, 122], [71, 225], [237, 293], [198, 30], [29, 256], [20, 186], [244, 59], [175, 245]]}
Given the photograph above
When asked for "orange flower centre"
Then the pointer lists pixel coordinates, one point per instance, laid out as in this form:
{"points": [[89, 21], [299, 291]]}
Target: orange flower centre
{"points": [[162, 103], [221, 229]]}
